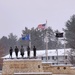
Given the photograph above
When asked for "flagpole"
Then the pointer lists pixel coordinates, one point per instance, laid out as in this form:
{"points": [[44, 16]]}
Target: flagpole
{"points": [[57, 48], [30, 41], [46, 47], [46, 44], [64, 49]]}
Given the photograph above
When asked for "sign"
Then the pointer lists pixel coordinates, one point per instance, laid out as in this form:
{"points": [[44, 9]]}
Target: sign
{"points": [[18, 66]]}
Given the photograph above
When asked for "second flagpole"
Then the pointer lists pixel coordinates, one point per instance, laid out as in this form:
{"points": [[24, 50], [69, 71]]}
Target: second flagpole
{"points": [[30, 41]]}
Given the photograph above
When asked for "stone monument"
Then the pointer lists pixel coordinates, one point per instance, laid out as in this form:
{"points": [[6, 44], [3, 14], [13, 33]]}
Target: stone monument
{"points": [[23, 67]]}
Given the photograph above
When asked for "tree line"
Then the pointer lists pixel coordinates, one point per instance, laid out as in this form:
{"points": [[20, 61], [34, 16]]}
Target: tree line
{"points": [[70, 37], [38, 38]]}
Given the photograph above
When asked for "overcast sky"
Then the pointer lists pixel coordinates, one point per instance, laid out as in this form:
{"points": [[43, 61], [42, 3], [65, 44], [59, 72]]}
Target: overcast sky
{"points": [[15, 15]]}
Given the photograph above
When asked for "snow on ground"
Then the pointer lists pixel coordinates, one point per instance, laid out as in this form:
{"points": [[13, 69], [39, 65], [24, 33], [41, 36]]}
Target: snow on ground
{"points": [[40, 53]]}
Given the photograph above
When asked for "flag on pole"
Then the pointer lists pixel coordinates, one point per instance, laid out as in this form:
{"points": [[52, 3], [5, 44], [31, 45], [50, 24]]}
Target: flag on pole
{"points": [[59, 35], [26, 37], [41, 26]]}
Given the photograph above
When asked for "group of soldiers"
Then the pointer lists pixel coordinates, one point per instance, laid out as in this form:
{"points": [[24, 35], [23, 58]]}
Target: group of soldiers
{"points": [[16, 50]]}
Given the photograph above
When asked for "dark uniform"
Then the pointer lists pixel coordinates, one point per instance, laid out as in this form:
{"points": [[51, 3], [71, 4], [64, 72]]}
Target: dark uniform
{"points": [[34, 50], [22, 51], [16, 51], [28, 51], [10, 51]]}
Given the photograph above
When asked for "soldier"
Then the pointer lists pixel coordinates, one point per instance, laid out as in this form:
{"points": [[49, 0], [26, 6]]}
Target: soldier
{"points": [[16, 51], [10, 51], [28, 51], [34, 51], [22, 51]]}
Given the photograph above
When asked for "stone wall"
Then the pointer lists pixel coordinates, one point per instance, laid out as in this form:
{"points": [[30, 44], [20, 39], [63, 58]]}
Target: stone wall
{"points": [[23, 66], [65, 69], [61, 69], [47, 67], [11, 66]]}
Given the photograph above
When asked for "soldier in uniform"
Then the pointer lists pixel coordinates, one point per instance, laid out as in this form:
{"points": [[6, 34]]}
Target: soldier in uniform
{"points": [[22, 51], [16, 51], [28, 51], [34, 51], [11, 51]]}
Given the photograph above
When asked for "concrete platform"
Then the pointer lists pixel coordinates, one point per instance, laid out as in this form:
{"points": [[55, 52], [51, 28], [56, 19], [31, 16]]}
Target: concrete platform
{"points": [[34, 73]]}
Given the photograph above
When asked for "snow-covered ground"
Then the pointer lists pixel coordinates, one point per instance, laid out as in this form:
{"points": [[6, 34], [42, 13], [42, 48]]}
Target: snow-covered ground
{"points": [[40, 53]]}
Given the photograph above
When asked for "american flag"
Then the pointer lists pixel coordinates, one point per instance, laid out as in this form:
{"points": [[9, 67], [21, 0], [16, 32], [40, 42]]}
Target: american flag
{"points": [[41, 26]]}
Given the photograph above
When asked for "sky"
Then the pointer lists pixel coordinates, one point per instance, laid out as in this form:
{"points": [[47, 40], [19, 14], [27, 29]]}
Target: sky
{"points": [[15, 15]]}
